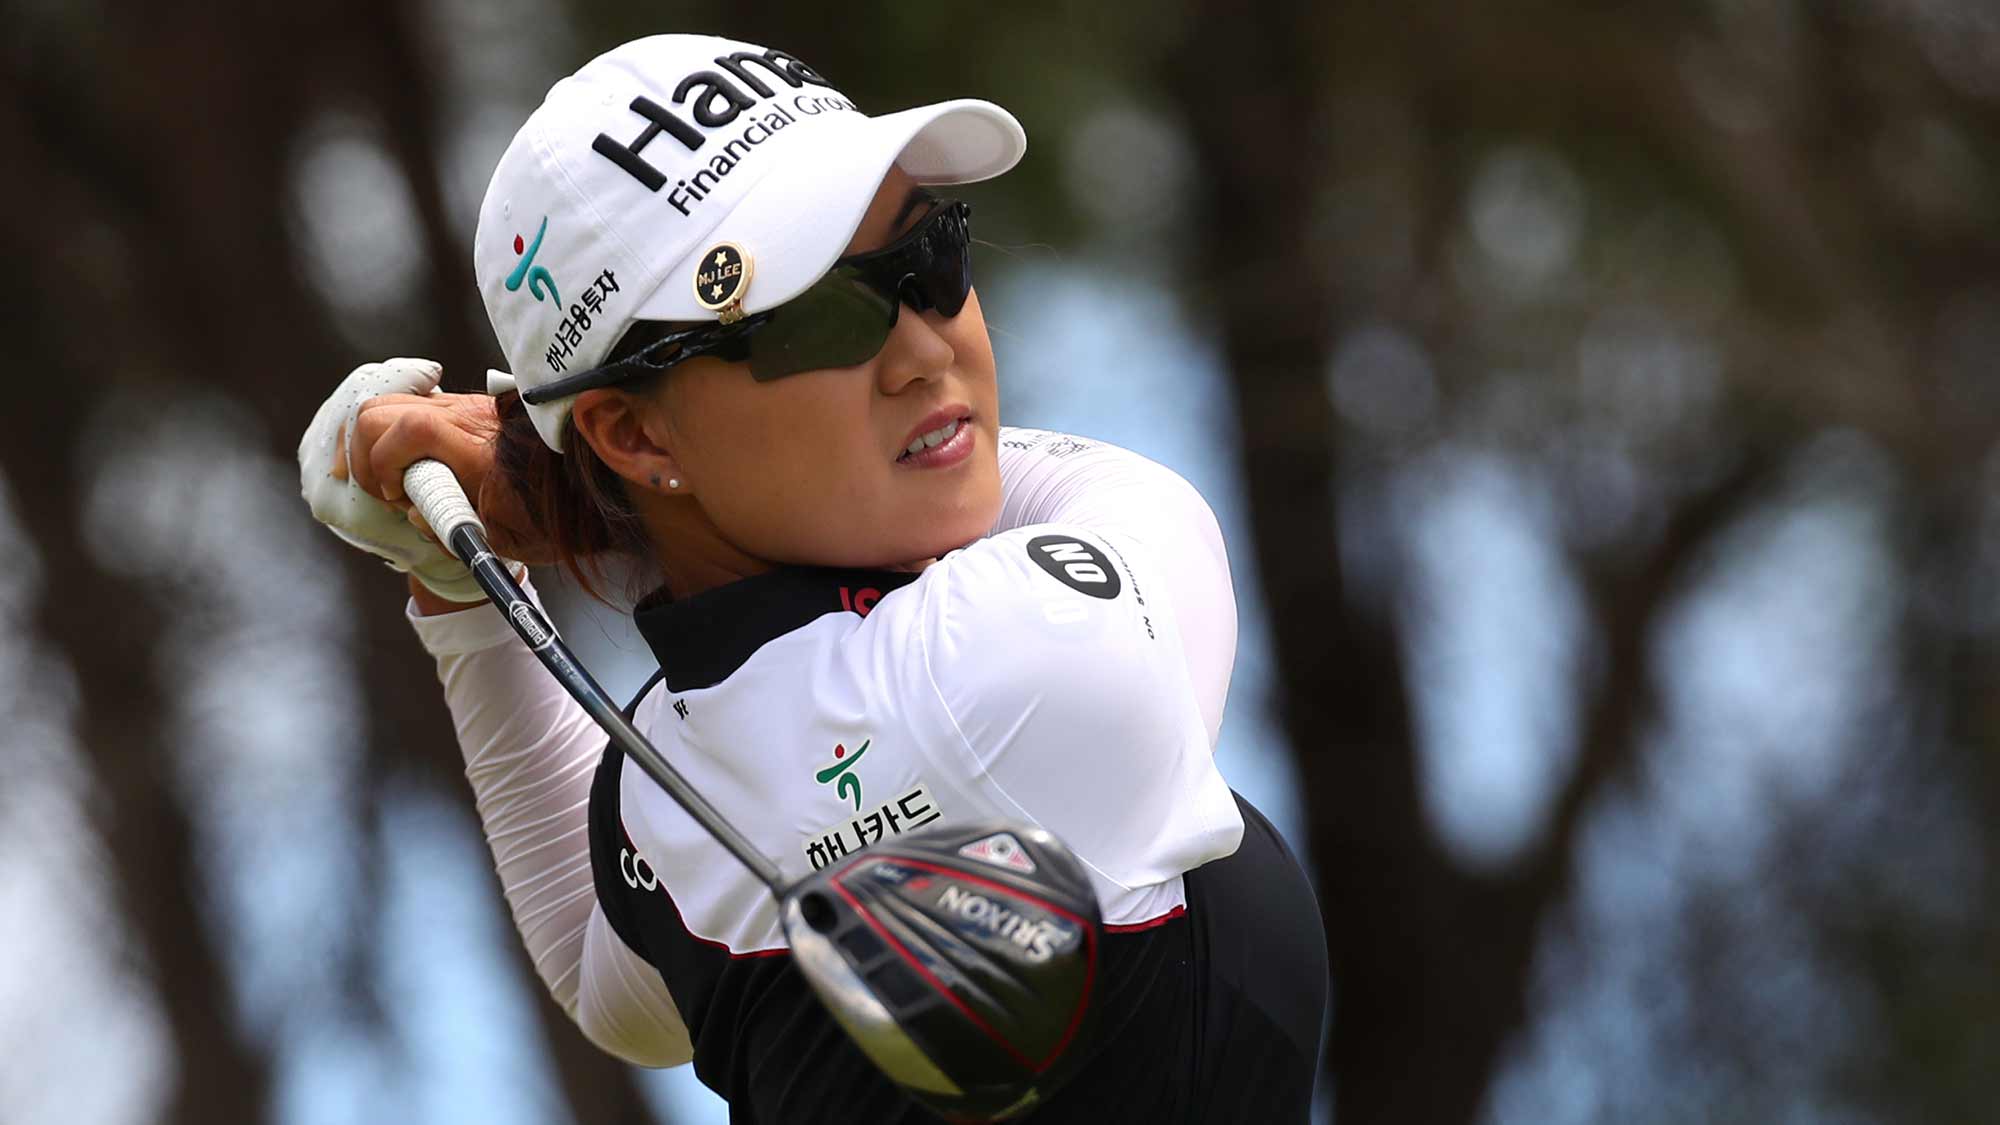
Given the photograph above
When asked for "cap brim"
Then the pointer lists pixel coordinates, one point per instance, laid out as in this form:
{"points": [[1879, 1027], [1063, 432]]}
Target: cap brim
{"points": [[794, 223]]}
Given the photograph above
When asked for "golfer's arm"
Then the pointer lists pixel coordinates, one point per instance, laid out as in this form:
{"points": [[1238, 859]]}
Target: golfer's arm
{"points": [[1049, 477], [530, 753], [423, 603], [623, 1005]]}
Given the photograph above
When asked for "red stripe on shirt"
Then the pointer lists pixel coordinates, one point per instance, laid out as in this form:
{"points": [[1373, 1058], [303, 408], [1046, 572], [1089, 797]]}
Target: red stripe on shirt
{"points": [[1130, 927]]}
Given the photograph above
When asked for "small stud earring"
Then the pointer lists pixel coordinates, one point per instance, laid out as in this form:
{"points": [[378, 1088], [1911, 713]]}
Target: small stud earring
{"points": [[673, 482]]}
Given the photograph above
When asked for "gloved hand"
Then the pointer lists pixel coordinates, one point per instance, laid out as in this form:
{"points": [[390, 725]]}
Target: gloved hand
{"points": [[364, 520]]}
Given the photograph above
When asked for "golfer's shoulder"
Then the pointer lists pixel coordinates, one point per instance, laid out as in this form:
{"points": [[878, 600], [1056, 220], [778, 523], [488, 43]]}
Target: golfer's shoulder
{"points": [[1042, 614]]}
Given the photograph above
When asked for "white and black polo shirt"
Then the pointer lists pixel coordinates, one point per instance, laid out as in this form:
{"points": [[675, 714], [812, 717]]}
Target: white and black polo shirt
{"points": [[1070, 669], [1035, 675]]}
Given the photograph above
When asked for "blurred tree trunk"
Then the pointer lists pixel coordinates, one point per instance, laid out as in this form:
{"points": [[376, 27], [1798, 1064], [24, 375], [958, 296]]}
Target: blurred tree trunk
{"points": [[108, 627], [1431, 962], [154, 200]]}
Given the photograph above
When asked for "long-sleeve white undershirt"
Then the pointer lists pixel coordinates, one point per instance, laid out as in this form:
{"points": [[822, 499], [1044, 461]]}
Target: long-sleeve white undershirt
{"points": [[531, 752]]}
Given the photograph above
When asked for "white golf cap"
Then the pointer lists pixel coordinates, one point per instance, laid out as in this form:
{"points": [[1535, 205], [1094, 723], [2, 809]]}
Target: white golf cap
{"points": [[638, 168]]}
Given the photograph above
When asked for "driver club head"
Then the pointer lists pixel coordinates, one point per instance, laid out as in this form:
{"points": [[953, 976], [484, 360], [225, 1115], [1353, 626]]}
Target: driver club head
{"points": [[961, 959]]}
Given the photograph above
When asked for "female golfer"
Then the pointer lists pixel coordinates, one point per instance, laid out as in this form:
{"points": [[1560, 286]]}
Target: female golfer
{"points": [[747, 354]]}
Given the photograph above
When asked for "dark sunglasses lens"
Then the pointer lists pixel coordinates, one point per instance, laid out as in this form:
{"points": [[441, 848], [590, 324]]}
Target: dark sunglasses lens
{"points": [[846, 317], [935, 254], [941, 261], [839, 322]]}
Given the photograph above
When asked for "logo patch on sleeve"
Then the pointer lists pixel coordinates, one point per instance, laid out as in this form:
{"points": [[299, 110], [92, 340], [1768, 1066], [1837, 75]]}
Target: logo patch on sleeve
{"points": [[1076, 564]]}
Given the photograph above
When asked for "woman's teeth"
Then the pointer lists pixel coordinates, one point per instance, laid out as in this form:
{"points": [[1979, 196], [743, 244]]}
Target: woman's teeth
{"points": [[933, 439]]}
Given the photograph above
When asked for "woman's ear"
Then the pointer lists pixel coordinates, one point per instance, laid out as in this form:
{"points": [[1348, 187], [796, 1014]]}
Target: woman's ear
{"points": [[621, 431]]}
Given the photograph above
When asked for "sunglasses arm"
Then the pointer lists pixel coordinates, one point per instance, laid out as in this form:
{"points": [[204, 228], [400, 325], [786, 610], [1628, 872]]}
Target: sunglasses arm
{"points": [[683, 345]]}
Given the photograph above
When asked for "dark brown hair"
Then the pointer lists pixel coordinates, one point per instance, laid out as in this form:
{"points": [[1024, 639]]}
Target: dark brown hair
{"points": [[572, 499]]}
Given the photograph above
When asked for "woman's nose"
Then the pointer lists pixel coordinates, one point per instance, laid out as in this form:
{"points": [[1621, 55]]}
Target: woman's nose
{"points": [[916, 351]]}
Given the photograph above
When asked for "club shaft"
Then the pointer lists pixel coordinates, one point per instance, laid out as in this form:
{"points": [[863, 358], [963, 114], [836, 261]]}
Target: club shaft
{"points": [[491, 574], [444, 505]]}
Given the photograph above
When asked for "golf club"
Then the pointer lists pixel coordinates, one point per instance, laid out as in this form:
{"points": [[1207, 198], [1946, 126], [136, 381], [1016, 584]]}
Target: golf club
{"points": [[960, 958]]}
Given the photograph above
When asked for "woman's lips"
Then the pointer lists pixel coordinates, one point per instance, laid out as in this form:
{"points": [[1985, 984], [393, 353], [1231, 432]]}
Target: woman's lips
{"points": [[936, 420], [949, 452]]}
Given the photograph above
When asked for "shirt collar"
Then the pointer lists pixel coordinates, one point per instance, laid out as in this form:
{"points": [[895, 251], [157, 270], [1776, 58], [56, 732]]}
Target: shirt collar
{"points": [[700, 640]]}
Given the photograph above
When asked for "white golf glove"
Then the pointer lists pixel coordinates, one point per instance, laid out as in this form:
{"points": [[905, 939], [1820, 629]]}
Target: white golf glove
{"points": [[354, 515]]}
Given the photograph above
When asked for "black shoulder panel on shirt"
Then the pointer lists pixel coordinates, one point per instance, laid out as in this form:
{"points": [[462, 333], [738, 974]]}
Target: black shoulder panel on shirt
{"points": [[643, 914], [610, 862]]}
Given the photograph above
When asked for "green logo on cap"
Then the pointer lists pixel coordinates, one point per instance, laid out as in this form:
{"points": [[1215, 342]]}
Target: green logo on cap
{"points": [[540, 283]]}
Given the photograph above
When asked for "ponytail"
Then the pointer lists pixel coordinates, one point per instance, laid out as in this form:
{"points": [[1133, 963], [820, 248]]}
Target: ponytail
{"points": [[574, 501]]}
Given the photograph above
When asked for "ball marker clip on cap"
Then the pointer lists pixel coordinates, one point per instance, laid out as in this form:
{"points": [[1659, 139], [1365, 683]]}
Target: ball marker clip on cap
{"points": [[609, 205], [721, 280]]}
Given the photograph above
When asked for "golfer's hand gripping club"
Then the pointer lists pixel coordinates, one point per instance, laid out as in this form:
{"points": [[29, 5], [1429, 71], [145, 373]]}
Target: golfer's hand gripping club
{"points": [[443, 503]]}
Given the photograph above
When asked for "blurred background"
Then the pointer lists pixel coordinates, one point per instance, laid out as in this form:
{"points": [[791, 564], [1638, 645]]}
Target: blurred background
{"points": [[1599, 399]]}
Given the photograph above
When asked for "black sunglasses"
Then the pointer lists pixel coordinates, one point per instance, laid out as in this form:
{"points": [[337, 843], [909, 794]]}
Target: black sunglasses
{"points": [[843, 319]]}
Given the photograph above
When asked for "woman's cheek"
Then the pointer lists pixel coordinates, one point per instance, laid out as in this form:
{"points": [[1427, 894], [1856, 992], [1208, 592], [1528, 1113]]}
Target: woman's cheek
{"points": [[828, 502]]}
